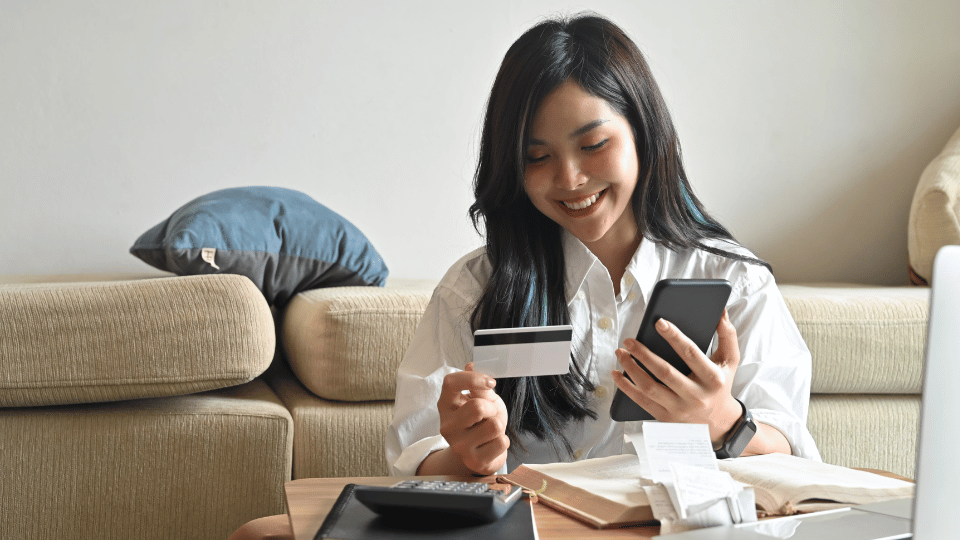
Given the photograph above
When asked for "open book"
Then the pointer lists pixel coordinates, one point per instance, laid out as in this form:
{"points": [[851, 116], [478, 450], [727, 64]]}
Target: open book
{"points": [[785, 485], [606, 492]]}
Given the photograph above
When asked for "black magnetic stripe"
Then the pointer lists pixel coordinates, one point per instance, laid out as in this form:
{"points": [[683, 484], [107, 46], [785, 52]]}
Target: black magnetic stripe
{"points": [[514, 338]]}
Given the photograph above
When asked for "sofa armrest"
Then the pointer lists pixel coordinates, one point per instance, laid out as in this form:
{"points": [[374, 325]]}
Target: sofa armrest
{"points": [[863, 339], [68, 343]]}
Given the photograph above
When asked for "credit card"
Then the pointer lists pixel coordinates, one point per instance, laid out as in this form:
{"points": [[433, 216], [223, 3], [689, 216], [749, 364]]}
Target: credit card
{"points": [[522, 352]]}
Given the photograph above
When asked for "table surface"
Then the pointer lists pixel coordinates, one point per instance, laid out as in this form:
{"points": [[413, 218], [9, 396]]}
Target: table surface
{"points": [[309, 500]]}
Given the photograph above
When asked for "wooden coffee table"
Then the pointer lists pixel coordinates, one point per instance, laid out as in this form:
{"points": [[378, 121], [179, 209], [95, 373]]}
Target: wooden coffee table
{"points": [[309, 500]]}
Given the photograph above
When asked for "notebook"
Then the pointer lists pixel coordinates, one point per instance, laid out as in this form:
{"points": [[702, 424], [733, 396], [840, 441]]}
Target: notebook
{"points": [[931, 514], [349, 520]]}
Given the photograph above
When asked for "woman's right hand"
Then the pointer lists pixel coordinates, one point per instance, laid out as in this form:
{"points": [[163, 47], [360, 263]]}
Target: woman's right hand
{"points": [[473, 420]]}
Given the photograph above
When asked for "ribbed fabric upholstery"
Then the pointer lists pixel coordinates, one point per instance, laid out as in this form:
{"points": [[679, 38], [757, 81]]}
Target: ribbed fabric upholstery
{"points": [[872, 431], [864, 340], [182, 467], [345, 343], [333, 438], [63, 343]]}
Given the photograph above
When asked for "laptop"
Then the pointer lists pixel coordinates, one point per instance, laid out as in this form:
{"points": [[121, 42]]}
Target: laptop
{"points": [[932, 513]]}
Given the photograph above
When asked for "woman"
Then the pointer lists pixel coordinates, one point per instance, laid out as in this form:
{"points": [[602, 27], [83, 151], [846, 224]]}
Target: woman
{"points": [[585, 204], [581, 193]]}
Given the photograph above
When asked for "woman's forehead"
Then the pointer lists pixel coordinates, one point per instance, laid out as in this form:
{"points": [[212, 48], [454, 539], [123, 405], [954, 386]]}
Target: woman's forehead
{"points": [[569, 111]]}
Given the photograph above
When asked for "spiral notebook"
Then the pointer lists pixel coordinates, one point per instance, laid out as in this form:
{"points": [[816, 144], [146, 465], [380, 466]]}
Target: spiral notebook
{"points": [[351, 520]]}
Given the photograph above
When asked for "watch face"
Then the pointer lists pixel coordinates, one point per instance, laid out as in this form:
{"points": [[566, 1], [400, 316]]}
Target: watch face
{"points": [[740, 437], [743, 437]]}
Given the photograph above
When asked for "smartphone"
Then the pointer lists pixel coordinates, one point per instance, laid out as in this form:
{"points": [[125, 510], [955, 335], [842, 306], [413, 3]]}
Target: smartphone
{"points": [[694, 306]]}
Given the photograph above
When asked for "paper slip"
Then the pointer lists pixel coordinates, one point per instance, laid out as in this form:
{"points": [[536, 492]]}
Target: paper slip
{"points": [[687, 444], [689, 491]]}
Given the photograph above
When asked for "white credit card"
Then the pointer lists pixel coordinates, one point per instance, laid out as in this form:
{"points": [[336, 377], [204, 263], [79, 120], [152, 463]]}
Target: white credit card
{"points": [[522, 352]]}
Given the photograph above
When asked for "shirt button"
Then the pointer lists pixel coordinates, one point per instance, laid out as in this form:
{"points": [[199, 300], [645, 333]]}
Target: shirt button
{"points": [[600, 392], [578, 454], [632, 296], [581, 296], [605, 323], [628, 280]]}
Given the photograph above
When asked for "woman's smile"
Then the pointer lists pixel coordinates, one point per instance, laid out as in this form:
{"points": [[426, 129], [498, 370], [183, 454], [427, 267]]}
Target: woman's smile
{"points": [[583, 206]]}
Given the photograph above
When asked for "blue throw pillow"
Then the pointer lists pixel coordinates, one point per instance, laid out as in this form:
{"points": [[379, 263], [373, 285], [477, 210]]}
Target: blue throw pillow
{"points": [[281, 239]]}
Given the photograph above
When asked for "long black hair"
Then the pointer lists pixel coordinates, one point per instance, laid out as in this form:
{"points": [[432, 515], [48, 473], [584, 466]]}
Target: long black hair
{"points": [[526, 287]]}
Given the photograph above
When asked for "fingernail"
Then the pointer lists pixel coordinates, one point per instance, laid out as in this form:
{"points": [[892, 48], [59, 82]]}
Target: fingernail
{"points": [[662, 325], [491, 383]]}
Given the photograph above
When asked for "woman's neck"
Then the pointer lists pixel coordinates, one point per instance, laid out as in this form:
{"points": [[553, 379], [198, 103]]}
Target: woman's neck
{"points": [[615, 254]]}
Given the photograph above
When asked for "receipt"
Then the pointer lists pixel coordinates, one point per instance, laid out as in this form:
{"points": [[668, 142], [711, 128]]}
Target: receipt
{"points": [[686, 488]]}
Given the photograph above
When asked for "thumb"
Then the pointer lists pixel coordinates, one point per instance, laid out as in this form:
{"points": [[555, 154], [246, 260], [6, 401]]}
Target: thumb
{"points": [[468, 367], [728, 348]]}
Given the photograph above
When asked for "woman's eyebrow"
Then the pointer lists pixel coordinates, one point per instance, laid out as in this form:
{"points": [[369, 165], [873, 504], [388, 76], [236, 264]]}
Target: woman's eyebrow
{"points": [[580, 131], [577, 132]]}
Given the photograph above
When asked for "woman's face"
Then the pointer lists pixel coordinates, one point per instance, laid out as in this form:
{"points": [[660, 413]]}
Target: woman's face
{"points": [[582, 166]]}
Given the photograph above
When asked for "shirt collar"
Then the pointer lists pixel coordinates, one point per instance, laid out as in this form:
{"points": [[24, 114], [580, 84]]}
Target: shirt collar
{"points": [[578, 261], [644, 266]]}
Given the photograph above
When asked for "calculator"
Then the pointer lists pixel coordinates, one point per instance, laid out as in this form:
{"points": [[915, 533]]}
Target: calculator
{"points": [[415, 499]]}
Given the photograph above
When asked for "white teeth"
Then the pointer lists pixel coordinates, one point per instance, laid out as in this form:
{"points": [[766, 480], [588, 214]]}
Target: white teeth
{"points": [[582, 204]]}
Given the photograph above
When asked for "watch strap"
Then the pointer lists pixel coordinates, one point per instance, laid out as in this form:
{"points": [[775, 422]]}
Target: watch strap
{"points": [[739, 435]]}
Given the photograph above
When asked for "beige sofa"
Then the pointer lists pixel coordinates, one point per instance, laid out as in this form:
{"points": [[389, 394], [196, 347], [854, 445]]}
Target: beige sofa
{"points": [[157, 408]]}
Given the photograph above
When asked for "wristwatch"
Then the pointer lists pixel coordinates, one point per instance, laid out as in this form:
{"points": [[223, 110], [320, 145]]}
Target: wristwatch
{"points": [[739, 436]]}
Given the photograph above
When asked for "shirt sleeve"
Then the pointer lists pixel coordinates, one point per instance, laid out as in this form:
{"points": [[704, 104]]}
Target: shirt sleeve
{"points": [[773, 379], [439, 347]]}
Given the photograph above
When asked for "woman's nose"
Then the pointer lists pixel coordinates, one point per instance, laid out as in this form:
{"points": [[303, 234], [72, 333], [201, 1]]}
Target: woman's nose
{"points": [[570, 175]]}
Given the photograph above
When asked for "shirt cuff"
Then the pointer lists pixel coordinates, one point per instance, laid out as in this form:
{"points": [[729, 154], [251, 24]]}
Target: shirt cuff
{"points": [[800, 440], [413, 455]]}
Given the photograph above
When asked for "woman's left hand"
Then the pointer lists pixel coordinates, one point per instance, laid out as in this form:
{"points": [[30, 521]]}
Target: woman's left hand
{"points": [[703, 397]]}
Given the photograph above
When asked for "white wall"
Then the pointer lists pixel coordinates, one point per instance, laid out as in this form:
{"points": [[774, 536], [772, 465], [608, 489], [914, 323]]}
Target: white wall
{"points": [[805, 124]]}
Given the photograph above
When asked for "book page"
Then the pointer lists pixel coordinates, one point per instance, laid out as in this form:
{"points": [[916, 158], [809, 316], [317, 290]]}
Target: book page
{"points": [[790, 480]]}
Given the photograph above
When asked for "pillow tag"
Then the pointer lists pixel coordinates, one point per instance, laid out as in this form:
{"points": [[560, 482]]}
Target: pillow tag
{"points": [[208, 254]]}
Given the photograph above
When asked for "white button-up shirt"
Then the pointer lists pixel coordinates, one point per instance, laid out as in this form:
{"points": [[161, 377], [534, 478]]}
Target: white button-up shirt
{"points": [[773, 379]]}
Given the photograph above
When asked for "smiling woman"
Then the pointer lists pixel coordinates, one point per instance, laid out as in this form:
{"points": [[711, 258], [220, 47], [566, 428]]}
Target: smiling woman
{"points": [[584, 202], [585, 205], [582, 171]]}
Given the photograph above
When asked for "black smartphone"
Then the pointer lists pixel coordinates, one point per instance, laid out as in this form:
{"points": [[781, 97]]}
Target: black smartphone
{"points": [[695, 306]]}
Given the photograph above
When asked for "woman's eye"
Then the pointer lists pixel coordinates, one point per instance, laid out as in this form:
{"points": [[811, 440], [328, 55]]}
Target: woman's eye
{"points": [[537, 159], [596, 146]]}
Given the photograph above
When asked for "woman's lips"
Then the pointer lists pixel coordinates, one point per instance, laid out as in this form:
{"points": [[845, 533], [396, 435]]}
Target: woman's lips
{"points": [[584, 206]]}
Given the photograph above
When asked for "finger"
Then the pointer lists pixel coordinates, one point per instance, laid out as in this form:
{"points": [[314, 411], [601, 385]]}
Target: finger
{"points": [[727, 354], [670, 376], [641, 387], [488, 457], [702, 368], [456, 383], [457, 426], [472, 425], [484, 392], [638, 395], [473, 412]]}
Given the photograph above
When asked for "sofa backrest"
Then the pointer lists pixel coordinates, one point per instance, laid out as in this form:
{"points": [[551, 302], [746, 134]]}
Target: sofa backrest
{"points": [[345, 343]]}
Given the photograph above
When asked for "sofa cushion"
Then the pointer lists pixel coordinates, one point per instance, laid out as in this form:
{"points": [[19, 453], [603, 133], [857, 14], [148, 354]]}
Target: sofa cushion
{"points": [[63, 343], [866, 340], [935, 211], [281, 239], [195, 466], [345, 343], [333, 438], [871, 431]]}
